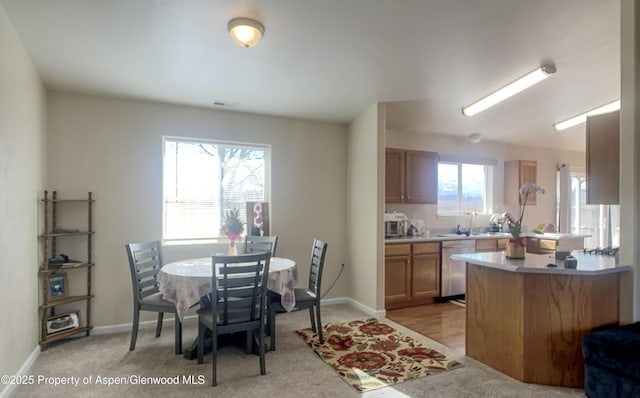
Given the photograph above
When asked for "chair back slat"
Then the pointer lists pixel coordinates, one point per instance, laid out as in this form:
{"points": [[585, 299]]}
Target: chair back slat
{"points": [[254, 244], [145, 261], [239, 288], [318, 253]]}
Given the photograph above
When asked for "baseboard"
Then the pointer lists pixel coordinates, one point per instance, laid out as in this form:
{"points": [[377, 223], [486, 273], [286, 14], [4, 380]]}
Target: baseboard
{"points": [[367, 309], [24, 370], [126, 327]]}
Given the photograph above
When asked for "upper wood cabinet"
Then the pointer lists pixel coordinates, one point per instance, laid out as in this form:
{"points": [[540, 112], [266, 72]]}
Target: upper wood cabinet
{"points": [[411, 176], [516, 173], [603, 158]]}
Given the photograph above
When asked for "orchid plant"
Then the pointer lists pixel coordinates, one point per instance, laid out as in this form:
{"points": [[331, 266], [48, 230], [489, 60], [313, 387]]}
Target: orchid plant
{"points": [[232, 227], [528, 189]]}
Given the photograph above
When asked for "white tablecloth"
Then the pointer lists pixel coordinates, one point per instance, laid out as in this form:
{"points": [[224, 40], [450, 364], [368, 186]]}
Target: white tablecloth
{"points": [[184, 282]]}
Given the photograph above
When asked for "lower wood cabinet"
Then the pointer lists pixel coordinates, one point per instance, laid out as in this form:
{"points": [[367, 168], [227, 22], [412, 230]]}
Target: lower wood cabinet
{"points": [[412, 274], [541, 246], [491, 245]]}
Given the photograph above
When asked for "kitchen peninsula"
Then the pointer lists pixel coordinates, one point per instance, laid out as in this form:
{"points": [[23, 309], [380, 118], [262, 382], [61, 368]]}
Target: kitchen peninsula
{"points": [[526, 318]]}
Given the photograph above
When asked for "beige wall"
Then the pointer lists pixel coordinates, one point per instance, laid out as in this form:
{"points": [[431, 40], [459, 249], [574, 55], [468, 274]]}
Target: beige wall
{"points": [[630, 159], [365, 203], [21, 179], [545, 208], [114, 148]]}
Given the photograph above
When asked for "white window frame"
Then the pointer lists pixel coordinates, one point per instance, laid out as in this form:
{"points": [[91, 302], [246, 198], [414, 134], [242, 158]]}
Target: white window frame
{"points": [[489, 166], [235, 144]]}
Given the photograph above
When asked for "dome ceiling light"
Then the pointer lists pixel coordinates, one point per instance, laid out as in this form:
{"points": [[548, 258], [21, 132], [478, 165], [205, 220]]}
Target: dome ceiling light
{"points": [[246, 32]]}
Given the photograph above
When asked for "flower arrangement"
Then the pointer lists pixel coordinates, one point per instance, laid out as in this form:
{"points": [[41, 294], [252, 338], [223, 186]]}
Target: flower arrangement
{"points": [[527, 189], [232, 227]]}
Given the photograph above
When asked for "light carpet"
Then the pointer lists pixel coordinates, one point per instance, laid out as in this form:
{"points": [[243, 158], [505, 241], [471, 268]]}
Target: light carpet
{"points": [[293, 370]]}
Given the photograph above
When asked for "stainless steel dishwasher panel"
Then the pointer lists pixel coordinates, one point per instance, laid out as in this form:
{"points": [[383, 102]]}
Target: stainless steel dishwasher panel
{"points": [[454, 272]]}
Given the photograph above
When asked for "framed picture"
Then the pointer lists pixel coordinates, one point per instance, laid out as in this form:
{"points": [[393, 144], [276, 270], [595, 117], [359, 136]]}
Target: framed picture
{"points": [[258, 218], [57, 285], [62, 322]]}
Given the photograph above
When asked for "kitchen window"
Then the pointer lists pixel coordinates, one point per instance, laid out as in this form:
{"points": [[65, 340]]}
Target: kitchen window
{"points": [[464, 187], [203, 180]]}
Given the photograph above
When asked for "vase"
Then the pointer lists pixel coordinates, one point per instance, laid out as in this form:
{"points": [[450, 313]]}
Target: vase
{"points": [[515, 249], [232, 250]]}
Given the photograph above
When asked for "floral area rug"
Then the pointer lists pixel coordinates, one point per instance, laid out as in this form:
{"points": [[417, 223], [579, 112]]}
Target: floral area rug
{"points": [[369, 354]]}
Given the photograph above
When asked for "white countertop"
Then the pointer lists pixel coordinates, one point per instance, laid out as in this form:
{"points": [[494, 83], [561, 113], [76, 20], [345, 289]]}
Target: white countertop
{"points": [[588, 264], [490, 235]]}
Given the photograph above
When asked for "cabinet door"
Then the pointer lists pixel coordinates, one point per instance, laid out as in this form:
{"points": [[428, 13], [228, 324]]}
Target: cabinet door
{"points": [[516, 173], [421, 177], [486, 245], [397, 280], [394, 176], [425, 276], [528, 173], [603, 159]]}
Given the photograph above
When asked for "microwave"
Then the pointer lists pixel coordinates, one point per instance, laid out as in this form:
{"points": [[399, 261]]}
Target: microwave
{"points": [[395, 225]]}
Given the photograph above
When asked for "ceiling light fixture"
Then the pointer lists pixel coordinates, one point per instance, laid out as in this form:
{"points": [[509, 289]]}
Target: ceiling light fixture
{"points": [[581, 118], [246, 32], [509, 90]]}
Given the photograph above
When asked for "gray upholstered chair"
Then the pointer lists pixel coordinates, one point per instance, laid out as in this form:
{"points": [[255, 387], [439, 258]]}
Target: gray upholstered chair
{"points": [[145, 261], [261, 244], [305, 298], [238, 304]]}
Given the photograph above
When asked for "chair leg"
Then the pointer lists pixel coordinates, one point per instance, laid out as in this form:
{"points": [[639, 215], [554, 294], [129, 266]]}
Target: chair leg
{"points": [[201, 330], [272, 328], [178, 335], [214, 355], [263, 364], [134, 329], [159, 325], [319, 327], [312, 319]]}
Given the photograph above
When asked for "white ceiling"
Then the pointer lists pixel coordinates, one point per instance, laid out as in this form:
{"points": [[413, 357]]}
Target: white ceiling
{"points": [[329, 60]]}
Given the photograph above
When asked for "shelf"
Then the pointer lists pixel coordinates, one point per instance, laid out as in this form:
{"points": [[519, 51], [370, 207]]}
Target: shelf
{"points": [[56, 285], [65, 300], [65, 266], [68, 200], [59, 234], [64, 334]]}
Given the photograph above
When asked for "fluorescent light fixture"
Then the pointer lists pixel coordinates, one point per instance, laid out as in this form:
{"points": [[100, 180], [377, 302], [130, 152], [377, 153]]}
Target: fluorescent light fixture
{"points": [[509, 90], [610, 107], [246, 32]]}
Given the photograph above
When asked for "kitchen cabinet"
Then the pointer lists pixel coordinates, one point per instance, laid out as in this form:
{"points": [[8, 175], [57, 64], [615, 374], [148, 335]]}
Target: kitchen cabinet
{"points": [[541, 246], [412, 274], [516, 173], [491, 245], [603, 159], [411, 176]]}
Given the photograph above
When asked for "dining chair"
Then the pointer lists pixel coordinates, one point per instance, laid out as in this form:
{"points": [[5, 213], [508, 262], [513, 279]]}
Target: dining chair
{"points": [[261, 244], [238, 303], [145, 261], [305, 298]]}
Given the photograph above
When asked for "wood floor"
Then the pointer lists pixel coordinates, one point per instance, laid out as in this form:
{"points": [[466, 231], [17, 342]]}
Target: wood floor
{"points": [[442, 322]]}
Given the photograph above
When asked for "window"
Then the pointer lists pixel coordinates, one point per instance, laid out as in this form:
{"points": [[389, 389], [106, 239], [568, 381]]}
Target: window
{"points": [[202, 180], [464, 187]]}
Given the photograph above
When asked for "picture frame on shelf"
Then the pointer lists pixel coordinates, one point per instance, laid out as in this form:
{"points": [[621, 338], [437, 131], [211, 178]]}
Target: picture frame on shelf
{"points": [[63, 322], [57, 286]]}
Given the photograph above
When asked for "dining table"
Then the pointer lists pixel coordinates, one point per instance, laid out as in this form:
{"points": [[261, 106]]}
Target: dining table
{"points": [[188, 282]]}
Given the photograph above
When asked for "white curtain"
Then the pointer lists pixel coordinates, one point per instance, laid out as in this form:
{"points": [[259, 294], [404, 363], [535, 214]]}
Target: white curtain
{"points": [[564, 191]]}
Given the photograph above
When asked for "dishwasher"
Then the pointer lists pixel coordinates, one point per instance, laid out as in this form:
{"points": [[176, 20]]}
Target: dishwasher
{"points": [[454, 272]]}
